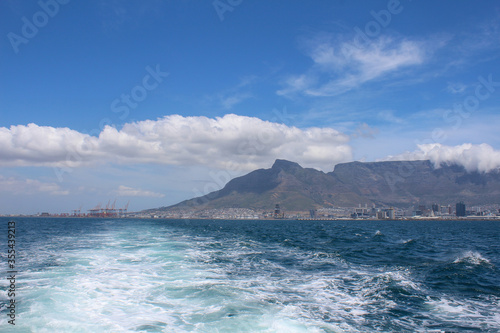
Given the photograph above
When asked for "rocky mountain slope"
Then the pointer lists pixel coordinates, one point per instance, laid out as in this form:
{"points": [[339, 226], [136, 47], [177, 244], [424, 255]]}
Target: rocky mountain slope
{"points": [[399, 183]]}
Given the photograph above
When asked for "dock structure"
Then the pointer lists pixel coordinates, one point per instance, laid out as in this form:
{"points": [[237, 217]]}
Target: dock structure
{"points": [[108, 211]]}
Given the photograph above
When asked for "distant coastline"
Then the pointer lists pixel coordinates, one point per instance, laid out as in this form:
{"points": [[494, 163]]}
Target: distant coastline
{"points": [[439, 219]]}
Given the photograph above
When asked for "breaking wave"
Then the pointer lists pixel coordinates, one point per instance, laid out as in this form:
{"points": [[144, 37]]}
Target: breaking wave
{"points": [[472, 258]]}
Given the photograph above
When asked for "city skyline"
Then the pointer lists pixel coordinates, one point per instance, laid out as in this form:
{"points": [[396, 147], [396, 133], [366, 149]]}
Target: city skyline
{"points": [[150, 102]]}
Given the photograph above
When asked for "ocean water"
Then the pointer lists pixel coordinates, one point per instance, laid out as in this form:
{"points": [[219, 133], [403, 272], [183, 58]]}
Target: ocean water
{"points": [[98, 275]]}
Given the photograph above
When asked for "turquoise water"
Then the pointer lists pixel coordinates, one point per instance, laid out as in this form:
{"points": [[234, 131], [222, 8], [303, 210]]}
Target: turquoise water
{"points": [[97, 275]]}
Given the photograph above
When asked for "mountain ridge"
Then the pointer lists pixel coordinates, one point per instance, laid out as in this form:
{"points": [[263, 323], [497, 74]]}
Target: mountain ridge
{"points": [[387, 183]]}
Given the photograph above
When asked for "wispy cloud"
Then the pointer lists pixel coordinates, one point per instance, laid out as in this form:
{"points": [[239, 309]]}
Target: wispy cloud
{"points": [[244, 142], [228, 101], [456, 87], [29, 186], [125, 191], [340, 66], [388, 116], [117, 15], [477, 43], [480, 37], [228, 98]]}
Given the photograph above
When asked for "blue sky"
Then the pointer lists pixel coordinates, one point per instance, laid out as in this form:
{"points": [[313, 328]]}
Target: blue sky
{"points": [[158, 101]]}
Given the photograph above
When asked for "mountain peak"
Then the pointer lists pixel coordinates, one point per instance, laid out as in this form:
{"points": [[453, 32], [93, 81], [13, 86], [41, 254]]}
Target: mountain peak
{"points": [[285, 165]]}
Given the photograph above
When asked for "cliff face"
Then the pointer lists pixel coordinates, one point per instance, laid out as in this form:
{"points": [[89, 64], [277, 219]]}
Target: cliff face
{"points": [[400, 183], [403, 183]]}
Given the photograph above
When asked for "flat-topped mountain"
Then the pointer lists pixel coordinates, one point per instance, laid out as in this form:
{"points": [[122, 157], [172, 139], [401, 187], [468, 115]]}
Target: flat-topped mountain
{"points": [[394, 183], [402, 183]]}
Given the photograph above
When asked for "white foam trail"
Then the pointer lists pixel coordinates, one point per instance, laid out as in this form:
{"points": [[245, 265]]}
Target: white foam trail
{"points": [[136, 280], [465, 312]]}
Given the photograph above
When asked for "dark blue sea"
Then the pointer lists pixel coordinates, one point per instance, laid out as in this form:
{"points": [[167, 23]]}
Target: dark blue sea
{"points": [[99, 275]]}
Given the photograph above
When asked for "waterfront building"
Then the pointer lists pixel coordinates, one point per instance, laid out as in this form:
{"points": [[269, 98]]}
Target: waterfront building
{"points": [[460, 209]]}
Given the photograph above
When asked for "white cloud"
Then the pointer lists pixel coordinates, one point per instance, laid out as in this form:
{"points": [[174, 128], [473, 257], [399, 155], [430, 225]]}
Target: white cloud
{"points": [[236, 142], [29, 186], [482, 157], [124, 191], [45, 146], [343, 66]]}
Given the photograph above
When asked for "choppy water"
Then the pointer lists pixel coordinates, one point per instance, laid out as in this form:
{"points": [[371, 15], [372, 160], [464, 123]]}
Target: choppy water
{"points": [[95, 275]]}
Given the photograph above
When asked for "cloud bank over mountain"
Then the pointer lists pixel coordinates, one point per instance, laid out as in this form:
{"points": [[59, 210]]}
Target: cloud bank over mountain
{"points": [[229, 142], [481, 158]]}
